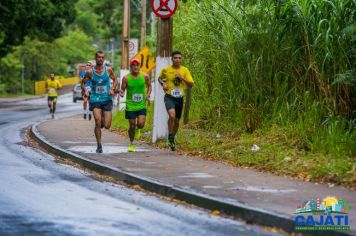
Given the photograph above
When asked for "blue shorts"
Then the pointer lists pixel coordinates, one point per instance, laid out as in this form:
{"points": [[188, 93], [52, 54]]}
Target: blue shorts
{"points": [[134, 114], [105, 106]]}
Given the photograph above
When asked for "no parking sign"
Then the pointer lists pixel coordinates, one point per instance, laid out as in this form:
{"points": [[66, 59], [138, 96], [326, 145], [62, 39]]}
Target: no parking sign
{"points": [[133, 47], [164, 8]]}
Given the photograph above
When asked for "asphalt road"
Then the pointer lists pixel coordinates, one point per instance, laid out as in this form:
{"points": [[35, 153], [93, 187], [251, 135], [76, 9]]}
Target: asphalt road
{"points": [[39, 196]]}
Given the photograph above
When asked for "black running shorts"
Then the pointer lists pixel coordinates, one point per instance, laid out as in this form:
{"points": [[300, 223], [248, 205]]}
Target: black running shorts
{"points": [[174, 103], [105, 106]]}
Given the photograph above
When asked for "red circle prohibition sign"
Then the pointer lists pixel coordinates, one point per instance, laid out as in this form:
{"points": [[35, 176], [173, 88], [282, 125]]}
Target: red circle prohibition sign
{"points": [[164, 8], [131, 45]]}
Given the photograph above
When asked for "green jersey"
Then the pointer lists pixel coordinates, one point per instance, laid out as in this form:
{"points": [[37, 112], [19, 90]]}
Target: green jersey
{"points": [[136, 92]]}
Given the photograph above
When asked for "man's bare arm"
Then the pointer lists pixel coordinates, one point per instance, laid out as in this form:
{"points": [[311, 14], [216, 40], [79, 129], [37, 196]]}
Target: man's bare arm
{"points": [[148, 85], [86, 77], [189, 83], [123, 86], [113, 78], [148, 88]]}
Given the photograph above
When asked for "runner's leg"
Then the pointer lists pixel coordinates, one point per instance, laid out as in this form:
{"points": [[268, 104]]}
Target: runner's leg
{"points": [[171, 126], [171, 120], [85, 105], [131, 131], [97, 130], [132, 128], [54, 103], [175, 126], [178, 109], [50, 106], [88, 110], [53, 108], [107, 119], [141, 119]]}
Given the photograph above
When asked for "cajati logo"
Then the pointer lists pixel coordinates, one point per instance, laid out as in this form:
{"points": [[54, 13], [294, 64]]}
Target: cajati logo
{"points": [[329, 213]]}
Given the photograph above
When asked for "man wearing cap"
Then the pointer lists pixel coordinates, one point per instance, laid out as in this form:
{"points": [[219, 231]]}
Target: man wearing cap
{"points": [[100, 97], [138, 86], [174, 79]]}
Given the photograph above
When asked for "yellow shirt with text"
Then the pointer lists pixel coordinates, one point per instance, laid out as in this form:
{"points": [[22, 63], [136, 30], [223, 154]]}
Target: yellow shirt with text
{"points": [[52, 86], [176, 87]]}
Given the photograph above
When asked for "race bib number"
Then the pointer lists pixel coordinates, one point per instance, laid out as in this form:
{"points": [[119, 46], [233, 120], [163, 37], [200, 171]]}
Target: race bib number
{"points": [[101, 89], [52, 90], [88, 88], [137, 97], [176, 93]]}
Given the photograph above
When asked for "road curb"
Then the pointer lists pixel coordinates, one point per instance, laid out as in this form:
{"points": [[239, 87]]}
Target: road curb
{"points": [[239, 210]]}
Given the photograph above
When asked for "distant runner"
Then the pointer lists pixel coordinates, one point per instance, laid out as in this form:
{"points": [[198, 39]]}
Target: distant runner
{"points": [[52, 85], [87, 90], [101, 95], [138, 86], [174, 79]]}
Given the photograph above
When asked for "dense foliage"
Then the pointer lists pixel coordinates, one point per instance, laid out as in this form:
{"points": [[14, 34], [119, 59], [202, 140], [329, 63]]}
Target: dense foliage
{"points": [[264, 63], [37, 37], [43, 20]]}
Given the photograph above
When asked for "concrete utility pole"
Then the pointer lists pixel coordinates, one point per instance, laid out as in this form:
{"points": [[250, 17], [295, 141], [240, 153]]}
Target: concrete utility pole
{"points": [[163, 59], [143, 24], [125, 48]]}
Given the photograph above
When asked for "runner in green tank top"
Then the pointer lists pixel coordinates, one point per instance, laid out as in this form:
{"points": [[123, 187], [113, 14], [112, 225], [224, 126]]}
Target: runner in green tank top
{"points": [[138, 86]]}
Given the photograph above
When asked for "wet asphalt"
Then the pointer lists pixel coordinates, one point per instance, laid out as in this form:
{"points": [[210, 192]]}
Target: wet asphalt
{"points": [[258, 197], [39, 196]]}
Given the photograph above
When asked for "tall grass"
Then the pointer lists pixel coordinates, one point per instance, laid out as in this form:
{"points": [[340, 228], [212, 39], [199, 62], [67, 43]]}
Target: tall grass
{"points": [[262, 63]]}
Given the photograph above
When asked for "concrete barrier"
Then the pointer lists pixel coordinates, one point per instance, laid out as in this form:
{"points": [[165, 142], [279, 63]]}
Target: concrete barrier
{"points": [[40, 86]]}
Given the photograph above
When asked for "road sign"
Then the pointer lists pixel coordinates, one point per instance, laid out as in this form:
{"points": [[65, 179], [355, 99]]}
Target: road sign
{"points": [[133, 47], [146, 58], [164, 8]]}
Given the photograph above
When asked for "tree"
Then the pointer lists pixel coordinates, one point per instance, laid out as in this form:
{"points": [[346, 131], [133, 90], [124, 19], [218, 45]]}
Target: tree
{"points": [[37, 19], [110, 14], [74, 48], [86, 19]]}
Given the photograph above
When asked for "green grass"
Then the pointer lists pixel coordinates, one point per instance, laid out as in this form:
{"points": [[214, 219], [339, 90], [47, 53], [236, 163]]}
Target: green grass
{"points": [[280, 152], [274, 62], [120, 123], [279, 74]]}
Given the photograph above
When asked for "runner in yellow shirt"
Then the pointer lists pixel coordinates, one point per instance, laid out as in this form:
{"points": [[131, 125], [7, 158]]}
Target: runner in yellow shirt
{"points": [[175, 79], [52, 85]]}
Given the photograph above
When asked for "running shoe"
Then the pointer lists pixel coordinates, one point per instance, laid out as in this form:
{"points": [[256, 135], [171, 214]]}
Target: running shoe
{"points": [[99, 149], [137, 134], [172, 145], [131, 148], [89, 116], [85, 116]]}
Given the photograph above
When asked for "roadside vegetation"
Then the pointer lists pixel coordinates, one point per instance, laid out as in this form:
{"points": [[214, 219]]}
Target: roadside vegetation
{"points": [[37, 37], [278, 153], [278, 74]]}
